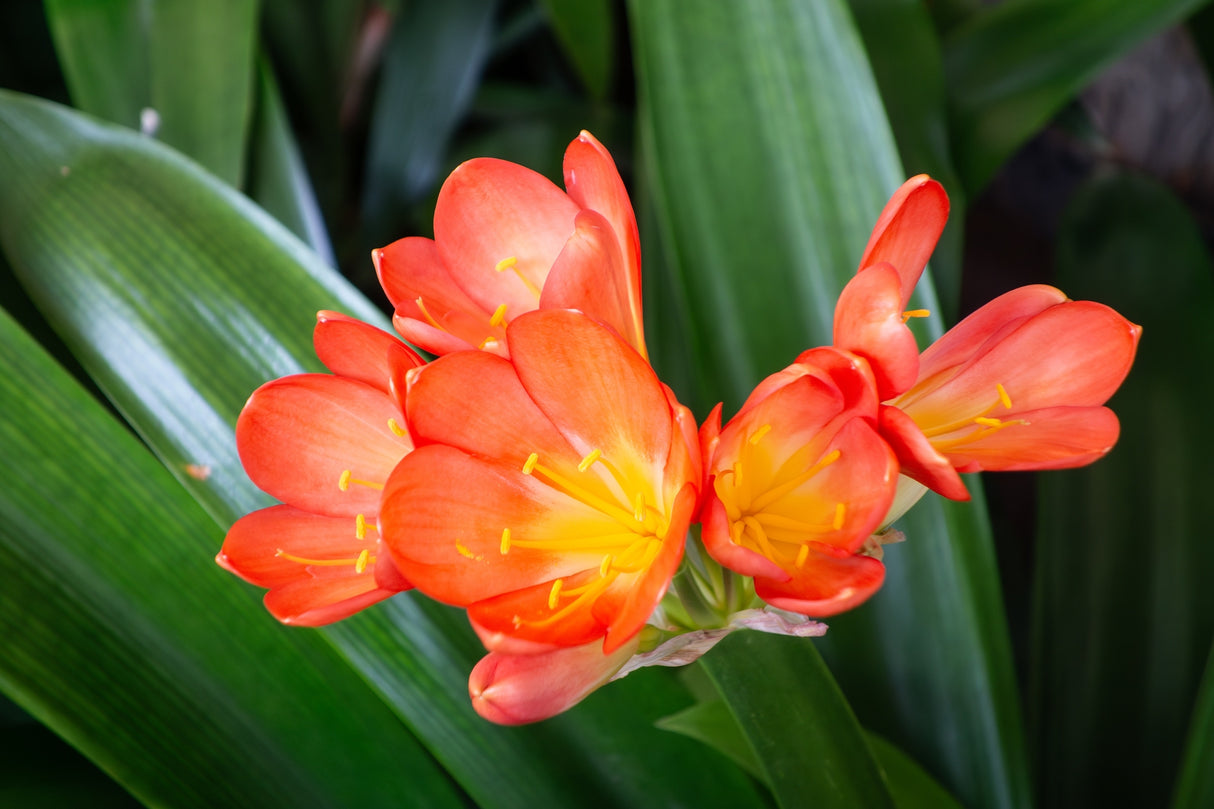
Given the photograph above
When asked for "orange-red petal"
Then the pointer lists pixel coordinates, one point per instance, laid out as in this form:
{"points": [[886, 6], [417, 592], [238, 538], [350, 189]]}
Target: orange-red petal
{"points": [[1051, 438], [827, 584], [869, 322], [356, 350], [918, 458], [907, 231], [299, 434]]}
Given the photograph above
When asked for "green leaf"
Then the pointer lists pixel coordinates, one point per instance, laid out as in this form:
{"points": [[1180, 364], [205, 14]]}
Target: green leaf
{"points": [[431, 66], [713, 724], [1124, 612], [586, 29], [180, 297], [804, 735], [1011, 67], [190, 61], [911, 787], [278, 181], [123, 636], [1195, 786], [769, 160], [909, 68]]}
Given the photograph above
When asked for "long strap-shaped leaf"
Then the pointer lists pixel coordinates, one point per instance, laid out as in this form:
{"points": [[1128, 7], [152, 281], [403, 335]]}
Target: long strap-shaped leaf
{"points": [[180, 297], [121, 635], [771, 160], [1011, 67]]}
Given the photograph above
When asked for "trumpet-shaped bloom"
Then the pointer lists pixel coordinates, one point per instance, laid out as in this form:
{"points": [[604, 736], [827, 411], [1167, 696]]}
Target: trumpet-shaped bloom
{"points": [[1019, 384], [323, 445], [506, 242], [797, 481], [550, 492]]}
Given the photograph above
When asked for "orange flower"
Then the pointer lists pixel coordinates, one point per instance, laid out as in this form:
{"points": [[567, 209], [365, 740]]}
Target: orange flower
{"points": [[323, 445], [1019, 384], [507, 241], [549, 493], [797, 481]]}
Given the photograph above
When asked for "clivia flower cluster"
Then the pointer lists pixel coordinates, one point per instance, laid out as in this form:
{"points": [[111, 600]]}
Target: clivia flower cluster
{"points": [[540, 475]]}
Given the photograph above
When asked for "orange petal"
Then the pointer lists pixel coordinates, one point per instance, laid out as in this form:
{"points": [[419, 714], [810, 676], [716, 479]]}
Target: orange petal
{"points": [[907, 231], [849, 373], [517, 689], [489, 211], [828, 583], [351, 348], [918, 458], [268, 548], [593, 182], [1000, 315], [868, 321], [589, 276], [297, 435], [528, 614], [1051, 438], [597, 391], [1073, 354]]}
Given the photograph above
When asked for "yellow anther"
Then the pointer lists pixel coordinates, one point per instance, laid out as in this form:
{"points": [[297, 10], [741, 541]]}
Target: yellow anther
{"points": [[506, 264], [363, 558], [512, 265], [638, 507], [346, 478], [1003, 397], [396, 429], [840, 515], [605, 565], [802, 555], [589, 460], [759, 433], [907, 315], [988, 422], [463, 551], [343, 482], [499, 316], [360, 526], [360, 563], [554, 594], [831, 457], [505, 547], [530, 463]]}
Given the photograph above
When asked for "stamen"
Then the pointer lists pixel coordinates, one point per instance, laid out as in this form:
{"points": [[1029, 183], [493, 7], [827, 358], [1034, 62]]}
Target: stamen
{"points": [[530, 463], [605, 565], [360, 526], [512, 265], [1003, 397], [364, 559], [488, 342], [802, 555], [554, 594], [907, 315], [638, 507], [464, 552], [989, 422], [396, 429], [772, 495], [346, 478], [840, 514], [426, 314], [499, 316], [361, 564], [589, 460], [759, 433], [505, 546]]}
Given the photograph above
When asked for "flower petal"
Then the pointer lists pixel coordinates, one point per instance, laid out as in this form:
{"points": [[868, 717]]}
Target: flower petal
{"points": [[1073, 354], [965, 339], [490, 211], [517, 689], [297, 436], [351, 348], [827, 584], [619, 409], [869, 322], [589, 276], [273, 547], [907, 231], [919, 460], [1051, 438], [593, 182], [717, 541]]}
